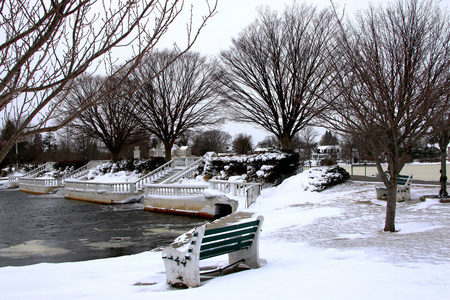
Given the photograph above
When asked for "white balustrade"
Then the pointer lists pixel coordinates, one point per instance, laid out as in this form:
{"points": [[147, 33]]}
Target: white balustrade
{"points": [[83, 170], [240, 189], [234, 188], [250, 191], [45, 182], [175, 189], [35, 172], [100, 187], [14, 180], [189, 171]]}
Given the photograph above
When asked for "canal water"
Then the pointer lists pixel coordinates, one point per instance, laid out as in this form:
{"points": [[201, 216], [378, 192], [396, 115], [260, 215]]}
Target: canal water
{"points": [[50, 228]]}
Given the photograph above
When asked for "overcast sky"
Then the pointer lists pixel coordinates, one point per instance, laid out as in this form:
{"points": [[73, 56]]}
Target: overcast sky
{"points": [[231, 18], [234, 15]]}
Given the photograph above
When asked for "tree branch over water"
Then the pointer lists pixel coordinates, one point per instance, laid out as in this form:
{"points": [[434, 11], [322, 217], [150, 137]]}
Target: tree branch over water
{"points": [[47, 45]]}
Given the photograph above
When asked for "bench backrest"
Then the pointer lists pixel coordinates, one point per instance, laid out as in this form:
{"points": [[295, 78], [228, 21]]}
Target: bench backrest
{"points": [[402, 179], [223, 240]]}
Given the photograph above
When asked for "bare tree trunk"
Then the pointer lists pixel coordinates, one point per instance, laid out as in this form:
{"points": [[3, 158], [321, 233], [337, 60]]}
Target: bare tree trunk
{"points": [[285, 141], [115, 155], [168, 150], [390, 181], [391, 206], [443, 179]]}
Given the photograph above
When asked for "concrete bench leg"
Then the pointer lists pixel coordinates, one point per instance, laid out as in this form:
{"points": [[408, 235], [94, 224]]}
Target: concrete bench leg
{"points": [[182, 267]]}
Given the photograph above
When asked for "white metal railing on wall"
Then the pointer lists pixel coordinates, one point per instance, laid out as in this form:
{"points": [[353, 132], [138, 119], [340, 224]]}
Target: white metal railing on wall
{"points": [[252, 193]]}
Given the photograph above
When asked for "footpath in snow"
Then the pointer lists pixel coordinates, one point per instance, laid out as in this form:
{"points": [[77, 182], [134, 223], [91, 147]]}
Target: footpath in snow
{"points": [[327, 245]]}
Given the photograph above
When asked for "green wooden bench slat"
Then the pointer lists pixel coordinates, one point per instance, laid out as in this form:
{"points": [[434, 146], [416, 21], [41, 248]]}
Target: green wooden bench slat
{"points": [[211, 238], [221, 243], [231, 227], [223, 250]]}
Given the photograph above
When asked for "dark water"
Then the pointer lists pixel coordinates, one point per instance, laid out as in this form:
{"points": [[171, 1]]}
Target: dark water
{"points": [[50, 228]]}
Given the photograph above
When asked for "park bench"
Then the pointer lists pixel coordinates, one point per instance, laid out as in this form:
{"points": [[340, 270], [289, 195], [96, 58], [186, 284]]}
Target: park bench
{"points": [[403, 189], [239, 241]]}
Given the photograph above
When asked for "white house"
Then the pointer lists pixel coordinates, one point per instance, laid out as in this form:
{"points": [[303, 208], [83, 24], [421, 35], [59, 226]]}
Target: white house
{"points": [[327, 152]]}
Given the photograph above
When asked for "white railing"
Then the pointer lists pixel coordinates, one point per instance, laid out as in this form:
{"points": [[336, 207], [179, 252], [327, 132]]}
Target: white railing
{"points": [[42, 182], [35, 172], [189, 171], [175, 189], [234, 188], [54, 182], [83, 170], [249, 190], [252, 192], [14, 179], [100, 187], [131, 185], [183, 162], [153, 176]]}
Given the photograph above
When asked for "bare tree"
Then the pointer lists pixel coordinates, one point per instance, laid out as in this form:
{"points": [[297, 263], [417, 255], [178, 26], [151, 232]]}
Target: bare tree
{"points": [[328, 139], [47, 44], [393, 68], [307, 141], [277, 71], [440, 132], [211, 140], [179, 98], [111, 122], [269, 142], [242, 143]]}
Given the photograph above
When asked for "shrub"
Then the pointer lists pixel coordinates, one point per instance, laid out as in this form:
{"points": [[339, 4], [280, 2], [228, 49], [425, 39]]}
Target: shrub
{"points": [[140, 166], [267, 167], [323, 178], [74, 164], [327, 162]]}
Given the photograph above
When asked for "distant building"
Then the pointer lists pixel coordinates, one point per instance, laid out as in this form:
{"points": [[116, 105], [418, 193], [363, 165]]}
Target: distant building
{"points": [[160, 151], [184, 151]]}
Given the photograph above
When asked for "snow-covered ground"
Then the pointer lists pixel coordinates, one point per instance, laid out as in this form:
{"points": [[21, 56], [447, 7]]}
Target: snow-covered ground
{"points": [[327, 245]]}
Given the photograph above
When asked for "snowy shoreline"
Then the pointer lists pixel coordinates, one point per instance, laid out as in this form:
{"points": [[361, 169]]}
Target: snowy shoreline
{"points": [[327, 245]]}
